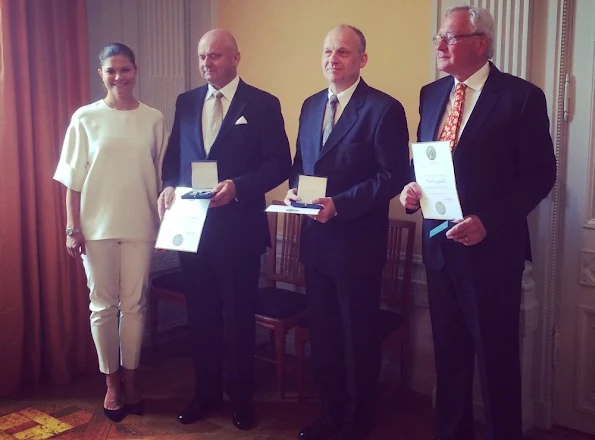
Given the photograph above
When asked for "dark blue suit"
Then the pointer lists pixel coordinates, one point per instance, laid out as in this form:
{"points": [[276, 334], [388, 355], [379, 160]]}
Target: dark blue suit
{"points": [[223, 275], [504, 165], [366, 162]]}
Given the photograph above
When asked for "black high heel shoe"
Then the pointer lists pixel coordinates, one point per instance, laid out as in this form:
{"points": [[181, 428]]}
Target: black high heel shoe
{"points": [[138, 409], [115, 415]]}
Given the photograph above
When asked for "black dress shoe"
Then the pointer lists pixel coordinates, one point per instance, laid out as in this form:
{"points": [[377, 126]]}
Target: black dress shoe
{"points": [[138, 408], [195, 411], [321, 429], [115, 415], [243, 416]]}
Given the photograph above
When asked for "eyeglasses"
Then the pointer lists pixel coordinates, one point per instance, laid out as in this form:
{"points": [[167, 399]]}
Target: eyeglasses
{"points": [[452, 39]]}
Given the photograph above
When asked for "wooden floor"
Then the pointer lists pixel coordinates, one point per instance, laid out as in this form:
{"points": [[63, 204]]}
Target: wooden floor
{"points": [[75, 412]]}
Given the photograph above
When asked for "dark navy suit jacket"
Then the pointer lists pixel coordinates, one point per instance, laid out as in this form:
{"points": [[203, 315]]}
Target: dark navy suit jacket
{"points": [[504, 164], [366, 161], [255, 156]]}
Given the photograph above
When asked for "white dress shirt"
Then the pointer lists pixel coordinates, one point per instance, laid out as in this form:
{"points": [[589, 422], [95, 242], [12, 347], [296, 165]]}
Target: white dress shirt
{"points": [[474, 85], [343, 98], [228, 91]]}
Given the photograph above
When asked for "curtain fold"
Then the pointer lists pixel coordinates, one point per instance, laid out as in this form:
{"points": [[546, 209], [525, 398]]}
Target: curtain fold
{"points": [[44, 316]]}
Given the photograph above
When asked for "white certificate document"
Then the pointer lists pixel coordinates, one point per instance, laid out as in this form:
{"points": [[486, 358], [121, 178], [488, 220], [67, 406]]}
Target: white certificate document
{"points": [[435, 174], [292, 210], [182, 224]]}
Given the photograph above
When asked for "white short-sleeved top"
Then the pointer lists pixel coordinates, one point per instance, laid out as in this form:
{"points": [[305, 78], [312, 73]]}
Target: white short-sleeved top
{"points": [[113, 158]]}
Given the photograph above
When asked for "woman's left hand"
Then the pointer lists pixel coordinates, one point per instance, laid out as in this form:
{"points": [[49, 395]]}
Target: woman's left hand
{"points": [[75, 245]]}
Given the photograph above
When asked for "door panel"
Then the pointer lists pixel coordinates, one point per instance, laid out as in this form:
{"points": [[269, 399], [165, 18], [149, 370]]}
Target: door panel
{"points": [[574, 377]]}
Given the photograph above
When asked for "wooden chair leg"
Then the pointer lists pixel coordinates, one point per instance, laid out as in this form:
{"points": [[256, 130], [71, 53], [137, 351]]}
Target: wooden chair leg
{"points": [[300, 351], [272, 339], [280, 348]]}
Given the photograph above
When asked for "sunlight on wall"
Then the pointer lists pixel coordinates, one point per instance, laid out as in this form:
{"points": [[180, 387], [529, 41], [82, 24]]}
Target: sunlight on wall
{"points": [[281, 46]]}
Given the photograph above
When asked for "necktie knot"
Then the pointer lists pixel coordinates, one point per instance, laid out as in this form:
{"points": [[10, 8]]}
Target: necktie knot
{"points": [[218, 95], [333, 100]]}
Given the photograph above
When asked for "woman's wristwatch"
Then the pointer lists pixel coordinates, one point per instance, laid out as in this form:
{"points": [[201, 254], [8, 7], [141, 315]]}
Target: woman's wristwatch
{"points": [[71, 231]]}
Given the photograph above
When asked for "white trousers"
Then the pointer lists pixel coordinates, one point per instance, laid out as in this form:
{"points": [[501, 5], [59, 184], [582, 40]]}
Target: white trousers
{"points": [[118, 279]]}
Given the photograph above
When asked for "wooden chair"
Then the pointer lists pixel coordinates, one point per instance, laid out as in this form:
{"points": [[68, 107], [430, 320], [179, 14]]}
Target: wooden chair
{"points": [[394, 297], [166, 287], [280, 309]]}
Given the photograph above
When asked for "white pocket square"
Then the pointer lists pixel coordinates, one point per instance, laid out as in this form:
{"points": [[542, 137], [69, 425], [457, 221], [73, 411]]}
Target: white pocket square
{"points": [[241, 121]]}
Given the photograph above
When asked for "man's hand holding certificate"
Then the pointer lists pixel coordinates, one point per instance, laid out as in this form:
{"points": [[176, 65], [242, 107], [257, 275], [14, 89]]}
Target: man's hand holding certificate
{"points": [[182, 223], [435, 176]]}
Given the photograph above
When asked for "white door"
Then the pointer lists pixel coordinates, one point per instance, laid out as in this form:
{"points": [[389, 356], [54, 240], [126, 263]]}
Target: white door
{"points": [[574, 376]]}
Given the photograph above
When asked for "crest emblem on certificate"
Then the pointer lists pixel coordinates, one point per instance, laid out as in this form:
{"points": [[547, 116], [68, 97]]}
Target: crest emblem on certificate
{"points": [[431, 152], [440, 208], [177, 240]]}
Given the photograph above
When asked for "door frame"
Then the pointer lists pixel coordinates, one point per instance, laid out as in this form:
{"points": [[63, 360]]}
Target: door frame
{"points": [[557, 45]]}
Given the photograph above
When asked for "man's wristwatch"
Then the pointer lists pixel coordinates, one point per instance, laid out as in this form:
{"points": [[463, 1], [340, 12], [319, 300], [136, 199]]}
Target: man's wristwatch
{"points": [[72, 231]]}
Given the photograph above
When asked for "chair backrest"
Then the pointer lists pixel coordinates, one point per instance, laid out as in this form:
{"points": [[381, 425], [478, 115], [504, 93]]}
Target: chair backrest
{"points": [[283, 258], [395, 293]]}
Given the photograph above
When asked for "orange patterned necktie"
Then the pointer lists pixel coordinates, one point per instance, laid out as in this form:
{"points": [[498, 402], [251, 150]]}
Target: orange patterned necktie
{"points": [[453, 122]]}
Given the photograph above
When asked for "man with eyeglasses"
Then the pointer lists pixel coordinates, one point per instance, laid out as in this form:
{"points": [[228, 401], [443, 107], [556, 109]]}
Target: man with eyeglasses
{"points": [[498, 128]]}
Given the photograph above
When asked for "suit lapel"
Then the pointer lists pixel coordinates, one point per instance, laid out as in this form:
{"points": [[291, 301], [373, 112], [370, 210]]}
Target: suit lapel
{"points": [[435, 108], [483, 107], [199, 103], [347, 120], [236, 108], [315, 120]]}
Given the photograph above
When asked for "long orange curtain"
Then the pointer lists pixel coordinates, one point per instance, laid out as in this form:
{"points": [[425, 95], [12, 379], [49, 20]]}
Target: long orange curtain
{"points": [[44, 327]]}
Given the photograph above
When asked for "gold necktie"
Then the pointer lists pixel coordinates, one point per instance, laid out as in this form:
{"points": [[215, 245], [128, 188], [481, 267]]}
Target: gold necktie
{"points": [[215, 123]]}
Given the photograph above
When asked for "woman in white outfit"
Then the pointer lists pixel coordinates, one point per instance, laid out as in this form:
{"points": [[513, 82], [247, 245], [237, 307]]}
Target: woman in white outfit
{"points": [[110, 165]]}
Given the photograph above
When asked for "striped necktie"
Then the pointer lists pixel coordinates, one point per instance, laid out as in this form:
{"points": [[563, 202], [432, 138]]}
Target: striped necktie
{"points": [[329, 120]]}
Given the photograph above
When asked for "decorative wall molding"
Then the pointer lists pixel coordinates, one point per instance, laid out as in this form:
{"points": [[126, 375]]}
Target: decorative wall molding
{"points": [[528, 323], [163, 56], [529, 319], [587, 268], [558, 46], [163, 34], [585, 361], [590, 199]]}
